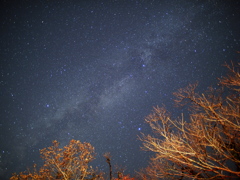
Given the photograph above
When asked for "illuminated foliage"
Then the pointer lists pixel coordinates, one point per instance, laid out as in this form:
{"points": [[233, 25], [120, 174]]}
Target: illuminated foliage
{"points": [[124, 178], [207, 145], [70, 162]]}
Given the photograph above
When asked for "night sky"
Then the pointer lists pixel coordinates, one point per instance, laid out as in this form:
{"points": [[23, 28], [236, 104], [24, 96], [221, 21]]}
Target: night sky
{"points": [[93, 70]]}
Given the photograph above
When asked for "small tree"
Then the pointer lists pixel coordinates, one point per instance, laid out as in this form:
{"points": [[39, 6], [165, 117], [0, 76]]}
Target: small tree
{"points": [[107, 155], [207, 144], [119, 173], [70, 162]]}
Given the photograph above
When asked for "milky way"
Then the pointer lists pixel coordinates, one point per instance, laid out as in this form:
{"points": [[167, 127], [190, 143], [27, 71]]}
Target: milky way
{"points": [[93, 70]]}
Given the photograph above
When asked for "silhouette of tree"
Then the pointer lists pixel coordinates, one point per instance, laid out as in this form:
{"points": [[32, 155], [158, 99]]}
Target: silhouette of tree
{"points": [[207, 144], [119, 173], [70, 162], [107, 155]]}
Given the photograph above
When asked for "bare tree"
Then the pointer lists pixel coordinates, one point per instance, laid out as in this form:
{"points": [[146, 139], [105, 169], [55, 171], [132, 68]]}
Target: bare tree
{"points": [[108, 156], [206, 144]]}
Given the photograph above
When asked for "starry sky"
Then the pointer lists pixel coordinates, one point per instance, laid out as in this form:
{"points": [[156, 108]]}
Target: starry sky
{"points": [[93, 70]]}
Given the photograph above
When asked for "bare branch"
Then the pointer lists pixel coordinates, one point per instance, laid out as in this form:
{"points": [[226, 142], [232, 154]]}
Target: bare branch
{"points": [[207, 144]]}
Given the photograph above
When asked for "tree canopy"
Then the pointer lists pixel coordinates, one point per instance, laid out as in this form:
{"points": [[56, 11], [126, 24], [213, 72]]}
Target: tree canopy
{"points": [[205, 144]]}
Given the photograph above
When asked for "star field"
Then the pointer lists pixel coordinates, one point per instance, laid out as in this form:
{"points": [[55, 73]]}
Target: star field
{"points": [[93, 70]]}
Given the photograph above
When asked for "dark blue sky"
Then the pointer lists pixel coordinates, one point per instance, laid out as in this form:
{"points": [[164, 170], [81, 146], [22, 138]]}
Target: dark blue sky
{"points": [[93, 70]]}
